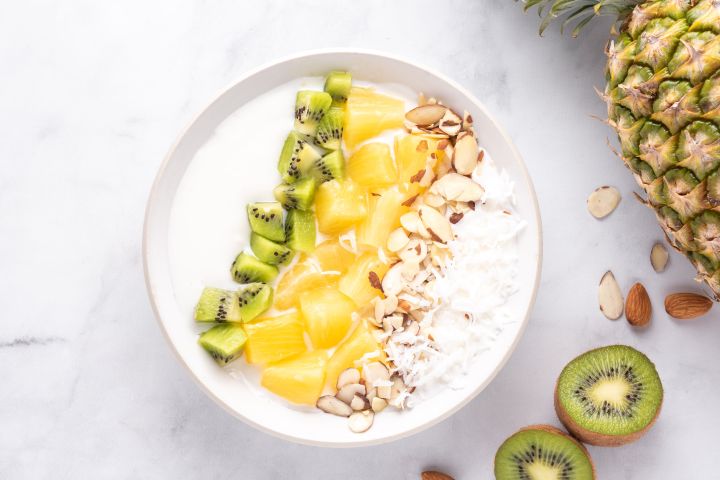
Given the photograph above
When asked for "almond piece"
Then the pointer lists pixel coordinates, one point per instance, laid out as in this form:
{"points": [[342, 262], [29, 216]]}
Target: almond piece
{"points": [[686, 306], [426, 114], [610, 297], [360, 422], [347, 392], [450, 123], [410, 221], [397, 240], [465, 157], [378, 404], [659, 257], [358, 403], [603, 201], [637, 306], [460, 188], [433, 475], [436, 224], [348, 376], [330, 404]]}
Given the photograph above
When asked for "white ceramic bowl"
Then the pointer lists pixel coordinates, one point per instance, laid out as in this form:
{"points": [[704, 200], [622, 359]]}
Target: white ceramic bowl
{"points": [[175, 316]]}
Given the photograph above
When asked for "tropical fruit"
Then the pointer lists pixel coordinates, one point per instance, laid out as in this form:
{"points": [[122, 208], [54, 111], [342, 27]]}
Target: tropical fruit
{"points": [[310, 107], [296, 157], [217, 305], [338, 85], [272, 339], [330, 129], [412, 154], [360, 342], [300, 230], [248, 269], [266, 219], [383, 217], [328, 315], [329, 167], [330, 256], [224, 342], [368, 113], [357, 282], [298, 195], [268, 251], [299, 278], [339, 205], [254, 299], [372, 166], [298, 379]]}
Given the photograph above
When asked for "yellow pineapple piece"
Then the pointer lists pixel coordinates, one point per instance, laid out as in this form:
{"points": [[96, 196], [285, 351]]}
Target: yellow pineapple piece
{"points": [[273, 339], [372, 166], [330, 257], [301, 277], [356, 281], [360, 342], [411, 155], [299, 379], [368, 113], [339, 205], [384, 217], [327, 314]]}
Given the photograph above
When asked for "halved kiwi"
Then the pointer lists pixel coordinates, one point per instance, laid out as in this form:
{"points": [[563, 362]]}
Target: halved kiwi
{"points": [[609, 396], [310, 107], [224, 342], [542, 452]]}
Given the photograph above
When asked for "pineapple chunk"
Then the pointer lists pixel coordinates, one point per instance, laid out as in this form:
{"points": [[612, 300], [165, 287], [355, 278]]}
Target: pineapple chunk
{"points": [[339, 206], [384, 217], [360, 342], [356, 281], [327, 314], [372, 166], [273, 339], [299, 379], [368, 113], [301, 277], [331, 257], [412, 155]]}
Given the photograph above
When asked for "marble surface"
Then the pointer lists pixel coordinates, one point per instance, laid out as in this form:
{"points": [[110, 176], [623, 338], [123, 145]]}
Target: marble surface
{"points": [[93, 93]]}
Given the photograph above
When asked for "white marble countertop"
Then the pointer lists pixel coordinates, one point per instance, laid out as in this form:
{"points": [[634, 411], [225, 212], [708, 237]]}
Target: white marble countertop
{"points": [[92, 95]]}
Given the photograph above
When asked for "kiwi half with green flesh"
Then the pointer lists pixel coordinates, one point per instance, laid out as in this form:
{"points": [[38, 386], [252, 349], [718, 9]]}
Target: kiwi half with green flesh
{"points": [[609, 396], [338, 85], [296, 158], [330, 167], [217, 305], [310, 107], [266, 219], [248, 269], [330, 129], [224, 342], [542, 452], [268, 251], [300, 230], [254, 299], [298, 195]]}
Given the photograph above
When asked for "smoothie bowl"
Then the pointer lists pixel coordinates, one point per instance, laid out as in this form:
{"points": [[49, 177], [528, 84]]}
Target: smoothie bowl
{"points": [[343, 248]]}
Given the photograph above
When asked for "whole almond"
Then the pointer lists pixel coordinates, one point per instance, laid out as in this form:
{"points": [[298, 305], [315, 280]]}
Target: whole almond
{"points": [[432, 475], [637, 306], [686, 306]]}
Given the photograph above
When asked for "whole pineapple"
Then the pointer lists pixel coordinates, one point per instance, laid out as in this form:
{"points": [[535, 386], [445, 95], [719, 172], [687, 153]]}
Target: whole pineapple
{"points": [[663, 96]]}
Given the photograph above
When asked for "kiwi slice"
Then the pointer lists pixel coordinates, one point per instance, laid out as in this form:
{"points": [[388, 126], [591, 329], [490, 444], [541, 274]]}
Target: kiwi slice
{"points": [[609, 396], [542, 452], [329, 167], [266, 219], [298, 195], [296, 158], [268, 251], [300, 230], [330, 129], [248, 269], [254, 299], [338, 84], [217, 305], [224, 342], [310, 107]]}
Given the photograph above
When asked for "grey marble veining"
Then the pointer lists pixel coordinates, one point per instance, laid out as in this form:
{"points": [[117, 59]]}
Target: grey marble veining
{"points": [[91, 96]]}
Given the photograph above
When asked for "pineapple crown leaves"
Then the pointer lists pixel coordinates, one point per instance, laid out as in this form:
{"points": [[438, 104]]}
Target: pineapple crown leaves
{"points": [[578, 12]]}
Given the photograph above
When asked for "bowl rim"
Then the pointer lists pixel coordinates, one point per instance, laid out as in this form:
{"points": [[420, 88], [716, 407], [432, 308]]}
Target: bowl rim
{"points": [[151, 200]]}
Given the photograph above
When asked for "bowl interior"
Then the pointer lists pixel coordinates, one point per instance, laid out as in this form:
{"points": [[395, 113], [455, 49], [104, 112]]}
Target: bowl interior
{"points": [[175, 319]]}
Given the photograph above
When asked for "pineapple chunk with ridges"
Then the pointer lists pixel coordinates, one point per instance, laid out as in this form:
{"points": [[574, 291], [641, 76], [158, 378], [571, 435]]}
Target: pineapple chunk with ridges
{"points": [[327, 314], [360, 342], [298, 379], [299, 278], [356, 281], [384, 217], [372, 166], [330, 256], [339, 206], [368, 113], [273, 339], [411, 156]]}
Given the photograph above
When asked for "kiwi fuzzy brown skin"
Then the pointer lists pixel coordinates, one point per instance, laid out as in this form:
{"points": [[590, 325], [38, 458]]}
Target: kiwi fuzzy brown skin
{"points": [[594, 438]]}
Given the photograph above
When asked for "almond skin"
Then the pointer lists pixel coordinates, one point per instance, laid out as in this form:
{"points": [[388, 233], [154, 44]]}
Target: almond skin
{"points": [[686, 306], [638, 308], [432, 475]]}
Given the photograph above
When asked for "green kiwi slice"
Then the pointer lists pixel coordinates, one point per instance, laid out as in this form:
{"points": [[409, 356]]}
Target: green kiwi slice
{"points": [[330, 167], [266, 219], [296, 158], [217, 305], [609, 396], [268, 251], [310, 107], [542, 452], [254, 299], [338, 85], [248, 269], [298, 195], [300, 230], [330, 129], [224, 342]]}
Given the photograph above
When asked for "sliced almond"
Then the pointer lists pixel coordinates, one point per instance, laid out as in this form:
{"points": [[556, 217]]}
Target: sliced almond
{"points": [[374, 372], [467, 121], [409, 271], [360, 422], [610, 297], [330, 404], [378, 404], [396, 398], [346, 393], [414, 252], [391, 303], [659, 257], [686, 306], [433, 200], [358, 403], [392, 282], [384, 392], [450, 123], [465, 158], [410, 221], [638, 308], [379, 310], [426, 114], [348, 376], [436, 224], [603, 201], [397, 239], [371, 394], [454, 186]]}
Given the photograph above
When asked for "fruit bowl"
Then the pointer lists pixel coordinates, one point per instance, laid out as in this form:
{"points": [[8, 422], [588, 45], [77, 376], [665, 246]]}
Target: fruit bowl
{"points": [[221, 197]]}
